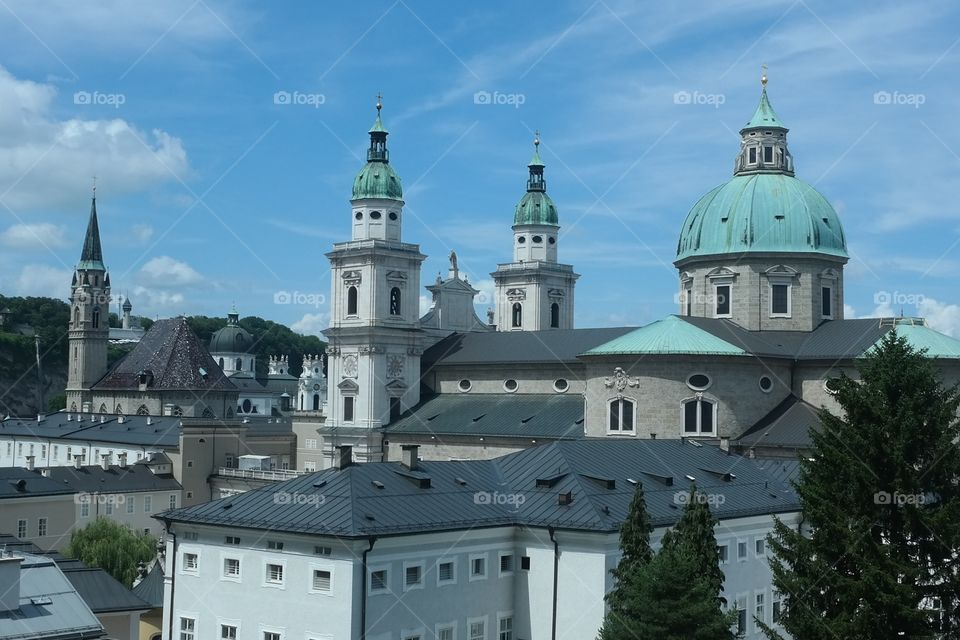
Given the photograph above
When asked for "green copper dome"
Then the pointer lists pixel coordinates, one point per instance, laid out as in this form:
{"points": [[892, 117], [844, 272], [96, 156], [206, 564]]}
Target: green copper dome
{"points": [[759, 213], [377, 180], [536, 207]]}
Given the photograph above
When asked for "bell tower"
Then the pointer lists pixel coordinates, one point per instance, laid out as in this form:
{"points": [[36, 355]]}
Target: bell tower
{"points": [[375, 341], [89, 328]]}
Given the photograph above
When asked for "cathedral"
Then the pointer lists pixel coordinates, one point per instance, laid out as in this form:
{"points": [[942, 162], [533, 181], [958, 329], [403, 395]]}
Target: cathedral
{"points": [[746, 361]]}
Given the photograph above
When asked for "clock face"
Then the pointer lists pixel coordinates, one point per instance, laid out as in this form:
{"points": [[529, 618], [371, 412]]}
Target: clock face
{"points": [[395, 366], [316, 387], [350, 366]]}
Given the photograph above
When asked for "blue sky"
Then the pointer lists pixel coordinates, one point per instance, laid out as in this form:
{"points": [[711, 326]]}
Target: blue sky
{"points": [[211, 193]]}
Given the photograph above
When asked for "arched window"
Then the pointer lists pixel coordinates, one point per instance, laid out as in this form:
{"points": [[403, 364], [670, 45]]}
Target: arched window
{"points": [[177, 411], [555, 315], [395, 301], [316, 402], [96, 317], [143, 411], [621, 415], [119, 410], [103, 407], [239, 364], [352, 301], [76, 318], [221, 363], [73, 406], [208, 413], [301, 403], [229, 412], [517, 315], [699, 417]]}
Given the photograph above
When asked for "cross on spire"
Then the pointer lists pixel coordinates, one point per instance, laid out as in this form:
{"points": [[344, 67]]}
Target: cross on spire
{"points": [[763, 75], [379, 102]]}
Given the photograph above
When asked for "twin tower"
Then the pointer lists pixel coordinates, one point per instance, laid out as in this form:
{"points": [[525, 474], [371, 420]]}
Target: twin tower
{"points": [[376, 335]]}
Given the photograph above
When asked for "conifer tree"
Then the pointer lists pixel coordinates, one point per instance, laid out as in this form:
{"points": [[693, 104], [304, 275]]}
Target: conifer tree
{"points": [[635, 544], [881, 509]]}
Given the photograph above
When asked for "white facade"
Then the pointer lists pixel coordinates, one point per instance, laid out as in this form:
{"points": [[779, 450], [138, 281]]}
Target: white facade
{"points": [[312, 387]]}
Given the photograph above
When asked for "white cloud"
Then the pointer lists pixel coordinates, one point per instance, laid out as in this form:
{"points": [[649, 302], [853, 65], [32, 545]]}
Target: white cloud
{"points": [[941, 316], [426, 302], [311, 324], [45, 161], [143, 233], [40, 280], [34, 236], [166, 273], [157, 302]]}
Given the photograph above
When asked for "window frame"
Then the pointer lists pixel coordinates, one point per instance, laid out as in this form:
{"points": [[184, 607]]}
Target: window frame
{"points": [[698, 399], [192, 618], [728, 299], [486, 568], [311, 579], [185, 567], [482, 620], [501, 617], [780, 283], [265, 575], [224, 558], [417, 585], [453, 572], [516, 315], [500, 557], [620, 401], [386, 580], [824, 288]]}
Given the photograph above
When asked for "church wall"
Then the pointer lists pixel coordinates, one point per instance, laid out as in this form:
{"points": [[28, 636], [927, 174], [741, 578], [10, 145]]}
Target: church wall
{"points": [[490, 379], [192, 404], [530, 285], [456, 447], [661, 388]]}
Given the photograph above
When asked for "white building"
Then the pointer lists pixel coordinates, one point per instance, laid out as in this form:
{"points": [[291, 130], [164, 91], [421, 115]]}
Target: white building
{"points": [[517, 547]]}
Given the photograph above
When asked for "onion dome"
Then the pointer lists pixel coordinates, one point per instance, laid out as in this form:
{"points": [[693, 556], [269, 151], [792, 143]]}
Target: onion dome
{"points": [[536, 207], [377, 179], [232, 338]]}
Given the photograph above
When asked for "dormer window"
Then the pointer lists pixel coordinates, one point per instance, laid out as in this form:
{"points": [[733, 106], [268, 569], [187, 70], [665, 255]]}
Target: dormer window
{"points": [[752, 155], [768, 155]]}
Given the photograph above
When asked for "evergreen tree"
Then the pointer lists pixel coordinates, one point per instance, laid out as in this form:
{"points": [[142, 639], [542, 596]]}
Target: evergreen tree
{"points": [[113, 547], [635, 545], [695, 530], [881, 509]]}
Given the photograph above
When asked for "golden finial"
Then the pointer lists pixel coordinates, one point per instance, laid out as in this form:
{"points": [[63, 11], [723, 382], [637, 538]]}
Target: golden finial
{"points": [[379, 102], [536, 139], [763, 76]]}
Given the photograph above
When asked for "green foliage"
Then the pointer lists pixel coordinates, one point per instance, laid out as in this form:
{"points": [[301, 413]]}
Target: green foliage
{"points": [[113, 547], [48, 318], [675, 593], [881, 509], [57, 402]]}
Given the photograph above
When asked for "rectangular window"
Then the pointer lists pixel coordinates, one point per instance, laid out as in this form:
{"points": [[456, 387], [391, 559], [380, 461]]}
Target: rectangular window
{"points": [[309, 466], [85, 509], [477, 630], [413, 576], [173, 501], [108, 506], [742, 615], [722, 292], [348, 409], [378, 580], [228, 632], [321, 580], [320, 550], [723, 551], [274, 573], [506, 564], [505, 628], [231, 568], [188, 629], [706, 416], [752, 155], [131, 504], [445, 633], [690, 417], [191, 562], [147, 504], [234, 540], [56, 452], [688, 300], [230, 461], [445, 574], [274, 545], [759, 608], [826, 302], [41, 526], [478, 567], [272, 635], [525, 563], [775, 608], [741, 550], [779, 299], [768, 154], [760, 547], [43, 452]]}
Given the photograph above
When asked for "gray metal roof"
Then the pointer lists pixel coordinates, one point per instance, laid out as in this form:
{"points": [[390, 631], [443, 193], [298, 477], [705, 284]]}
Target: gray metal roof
{"points": [[50, 606], [517, 347], [522, 488], [503, 414], [93, 478], [17, 482], [101, 592], [788, 425], [161, 432], [150, 589]]}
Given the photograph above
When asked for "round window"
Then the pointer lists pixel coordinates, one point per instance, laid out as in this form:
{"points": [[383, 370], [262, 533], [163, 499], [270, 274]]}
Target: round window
{"points": [[552, 240], [560, 385], [698, 382], [392, 215], [521, 240], [316, 387], [538, 239], [831, 385], [464, 385], [375, 215], [766, 384], [358, 215], [510, 385]]}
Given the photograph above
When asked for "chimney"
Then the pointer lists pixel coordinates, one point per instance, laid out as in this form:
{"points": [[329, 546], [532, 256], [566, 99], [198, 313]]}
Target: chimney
{"points": [[725, 445], [45, 472], [168, 409], [9, 582], [121, 419], [409, 455], [104, 461], [123, 460], [344, 456], [40, 417], [149, 421], [103, 418], [77, 461], [31, 462], [69, 417]]}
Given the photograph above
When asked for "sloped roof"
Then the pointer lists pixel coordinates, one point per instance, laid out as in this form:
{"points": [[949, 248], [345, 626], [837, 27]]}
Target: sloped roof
{"points": [[384, 498], [17, 482], [936, 344], [787, 425], [152, 431], [503, 414], [518, 347], [132, 478], [171, 351], [101, 592], [150, 589], [672, 335]]}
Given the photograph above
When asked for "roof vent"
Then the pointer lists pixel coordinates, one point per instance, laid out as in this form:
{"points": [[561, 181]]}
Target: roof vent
{"points": [[606, 483], [377, 484], [319, 483], [547, 483], [566, 498], [666, 480], [690, 478], [479, 417], [461, 482], [526, 420], [369, 516], [228, 505], [42, 600]]}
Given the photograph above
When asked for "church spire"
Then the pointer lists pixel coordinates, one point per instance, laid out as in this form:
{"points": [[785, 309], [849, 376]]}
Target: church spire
{"points": [[763, 146], [91, 257], [378, 138]]}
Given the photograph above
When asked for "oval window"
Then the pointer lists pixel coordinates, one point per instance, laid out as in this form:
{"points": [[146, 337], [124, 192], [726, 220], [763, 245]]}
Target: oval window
{"points": [[358, 215], [552, 240], [464, 385], [560, 385], [538, 239], [375, 215], [392, 215], [510, 385], [831, 385], [766, 384], [521, 240], [698, 382]]}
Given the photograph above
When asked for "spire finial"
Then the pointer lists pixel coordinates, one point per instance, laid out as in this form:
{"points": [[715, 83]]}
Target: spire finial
{"points": [[379, 102], [94, 187], [536, 140], [763, 76]]}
